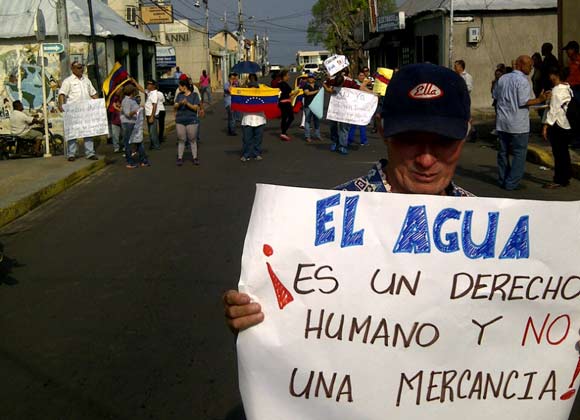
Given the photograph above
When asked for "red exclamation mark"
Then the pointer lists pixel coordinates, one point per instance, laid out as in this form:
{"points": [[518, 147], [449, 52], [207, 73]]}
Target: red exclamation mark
{"points": [[283, 296], [570, 393]]}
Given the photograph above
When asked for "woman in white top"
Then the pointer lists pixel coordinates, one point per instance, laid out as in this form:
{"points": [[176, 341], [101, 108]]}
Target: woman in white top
{"points": [[558, 131]]}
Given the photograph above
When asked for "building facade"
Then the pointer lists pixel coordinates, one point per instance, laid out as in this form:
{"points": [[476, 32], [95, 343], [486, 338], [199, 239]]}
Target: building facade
{"points": [[484, 34]]}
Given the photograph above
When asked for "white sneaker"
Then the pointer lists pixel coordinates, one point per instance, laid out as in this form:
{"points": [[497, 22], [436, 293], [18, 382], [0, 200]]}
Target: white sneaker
{"points": [[258, 158], [244, 159]]}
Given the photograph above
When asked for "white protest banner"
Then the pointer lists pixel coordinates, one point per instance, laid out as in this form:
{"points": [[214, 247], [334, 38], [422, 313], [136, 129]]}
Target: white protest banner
{"points": [[85, 119], [352, 106], [393, 306], [335, 63]]}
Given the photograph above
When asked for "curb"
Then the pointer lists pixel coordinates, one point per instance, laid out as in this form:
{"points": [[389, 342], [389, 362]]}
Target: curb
{"points": [[540, 156], [24, 205]]}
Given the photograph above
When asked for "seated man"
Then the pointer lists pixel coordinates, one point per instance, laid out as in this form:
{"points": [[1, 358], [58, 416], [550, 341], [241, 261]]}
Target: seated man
{"points": [[22, 124]]}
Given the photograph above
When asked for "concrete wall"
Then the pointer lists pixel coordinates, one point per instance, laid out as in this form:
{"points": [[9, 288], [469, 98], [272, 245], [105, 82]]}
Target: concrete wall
{"points": [[569, 29], [191, 52], [504, 38]]}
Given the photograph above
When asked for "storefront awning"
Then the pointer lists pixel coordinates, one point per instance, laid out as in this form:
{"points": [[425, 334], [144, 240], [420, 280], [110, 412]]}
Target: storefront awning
{"points": [[373, 43]]}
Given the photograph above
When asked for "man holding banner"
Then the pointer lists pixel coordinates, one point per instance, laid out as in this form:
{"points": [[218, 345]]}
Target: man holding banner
{"points": [[318, 355], [77, 88], [424, 132]]}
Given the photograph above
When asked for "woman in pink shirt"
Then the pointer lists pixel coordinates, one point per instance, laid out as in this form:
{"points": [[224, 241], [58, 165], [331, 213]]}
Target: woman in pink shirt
{"points": [[205, 86]]}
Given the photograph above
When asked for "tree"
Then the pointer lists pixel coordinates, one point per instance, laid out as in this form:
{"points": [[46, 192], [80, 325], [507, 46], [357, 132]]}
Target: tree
{"points": [[334, 24]]}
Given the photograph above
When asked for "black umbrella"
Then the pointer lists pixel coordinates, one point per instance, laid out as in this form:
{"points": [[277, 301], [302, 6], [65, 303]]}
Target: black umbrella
{"points": [[246, 67]]}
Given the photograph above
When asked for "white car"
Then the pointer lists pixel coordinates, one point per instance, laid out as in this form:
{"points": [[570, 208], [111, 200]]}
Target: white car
{"points": [[310, 68]]}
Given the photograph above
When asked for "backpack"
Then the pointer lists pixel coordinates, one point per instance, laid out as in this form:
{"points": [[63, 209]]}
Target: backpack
{"points": [[572, 109]]}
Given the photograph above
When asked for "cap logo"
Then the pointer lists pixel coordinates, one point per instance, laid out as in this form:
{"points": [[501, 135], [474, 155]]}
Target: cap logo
{"points": [[426, 91]]}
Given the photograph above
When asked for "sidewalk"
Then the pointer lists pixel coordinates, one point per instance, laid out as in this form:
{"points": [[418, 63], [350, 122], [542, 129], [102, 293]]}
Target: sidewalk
{"points": [[27, 183]]}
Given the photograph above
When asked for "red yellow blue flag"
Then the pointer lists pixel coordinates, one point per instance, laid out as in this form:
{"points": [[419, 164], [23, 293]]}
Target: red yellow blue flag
{"points": [[114, 81], [254, 100]]}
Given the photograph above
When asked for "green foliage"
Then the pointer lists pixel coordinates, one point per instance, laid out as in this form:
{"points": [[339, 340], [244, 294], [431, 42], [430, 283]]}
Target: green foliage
{"points": [[334, 21]]}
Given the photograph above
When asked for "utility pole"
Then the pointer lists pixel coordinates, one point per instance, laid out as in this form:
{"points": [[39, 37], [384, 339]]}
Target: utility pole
{"points": [[451, 16], [226, 60], [63, 38], [207, 30], [240, 30], [94, 45]]}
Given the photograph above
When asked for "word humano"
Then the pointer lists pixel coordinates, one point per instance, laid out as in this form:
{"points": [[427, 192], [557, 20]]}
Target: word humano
{"points": [[419, 235]]}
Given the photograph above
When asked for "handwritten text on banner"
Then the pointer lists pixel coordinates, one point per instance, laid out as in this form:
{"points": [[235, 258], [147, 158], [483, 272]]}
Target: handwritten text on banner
{"points": [[352, 106], [85, 119], [407, 306]]}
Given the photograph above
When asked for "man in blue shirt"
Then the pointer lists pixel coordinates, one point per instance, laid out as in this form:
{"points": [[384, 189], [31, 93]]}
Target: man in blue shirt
{"points": [[513, 93]]}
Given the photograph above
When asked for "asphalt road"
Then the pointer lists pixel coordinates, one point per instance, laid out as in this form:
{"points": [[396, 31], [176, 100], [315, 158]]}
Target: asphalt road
{"points": [[113, 310]]}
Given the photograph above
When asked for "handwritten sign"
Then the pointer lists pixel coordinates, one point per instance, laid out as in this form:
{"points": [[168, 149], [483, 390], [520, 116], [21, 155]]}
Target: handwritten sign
{"points": [[335, 63], [352, 106], [410, 307], [85, 119]]}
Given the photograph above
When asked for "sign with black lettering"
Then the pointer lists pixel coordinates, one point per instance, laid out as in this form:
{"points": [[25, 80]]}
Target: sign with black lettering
{"points": [[381, 306]]}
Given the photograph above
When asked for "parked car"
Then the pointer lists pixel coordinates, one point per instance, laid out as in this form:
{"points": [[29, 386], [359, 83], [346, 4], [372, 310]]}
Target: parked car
{"points": [[168, 88], [310, 68]]}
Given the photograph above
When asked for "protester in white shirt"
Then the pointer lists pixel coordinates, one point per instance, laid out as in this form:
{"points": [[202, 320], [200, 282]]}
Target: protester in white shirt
{"points": [[77, 88], [151, 113], [253, 130], [161, 115], [21, 125], [557, 130]]}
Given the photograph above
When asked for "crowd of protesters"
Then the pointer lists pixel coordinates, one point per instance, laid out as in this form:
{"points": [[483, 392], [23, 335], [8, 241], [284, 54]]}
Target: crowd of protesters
{"points": [[539, 81]]}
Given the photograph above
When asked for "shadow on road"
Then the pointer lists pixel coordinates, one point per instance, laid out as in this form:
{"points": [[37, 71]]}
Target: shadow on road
{"points": [[7, 264]]}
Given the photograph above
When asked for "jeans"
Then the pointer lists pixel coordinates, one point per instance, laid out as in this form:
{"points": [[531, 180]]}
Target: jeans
{"points": [[511, 173], [308, 114], [161, 122], [231, 120], [252, 141], [339, 133], [203, 91], [89, 147], [127, 129], [153, 135], [140, 149], [363, 133], [116, 134]]}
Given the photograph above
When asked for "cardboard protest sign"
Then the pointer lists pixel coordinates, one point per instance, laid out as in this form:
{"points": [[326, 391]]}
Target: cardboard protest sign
{"points": [[352, 106], [382, 78], [85, 119], [382, 306], [335, 63]]}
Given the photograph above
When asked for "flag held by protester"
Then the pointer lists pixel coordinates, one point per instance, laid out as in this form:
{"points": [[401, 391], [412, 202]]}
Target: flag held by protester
{"points": [[253, 100], [114, 81]]}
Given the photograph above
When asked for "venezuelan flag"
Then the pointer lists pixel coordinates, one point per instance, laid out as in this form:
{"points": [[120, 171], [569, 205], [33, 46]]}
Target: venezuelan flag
{"points": [[114, 81], [253, 100]]}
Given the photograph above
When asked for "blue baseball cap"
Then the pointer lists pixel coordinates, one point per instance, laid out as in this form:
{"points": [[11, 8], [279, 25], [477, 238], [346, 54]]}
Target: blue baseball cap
{"points": [[429, 98], [311, 75]]}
